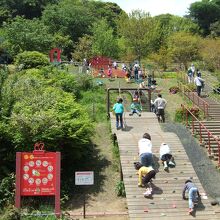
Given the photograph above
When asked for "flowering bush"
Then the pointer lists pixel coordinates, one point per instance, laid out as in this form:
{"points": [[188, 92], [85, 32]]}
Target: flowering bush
{"points": [[174, 89]]}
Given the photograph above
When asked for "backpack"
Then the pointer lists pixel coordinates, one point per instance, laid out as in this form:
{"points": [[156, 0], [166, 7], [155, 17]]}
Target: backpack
{"points": [[189, 72]]}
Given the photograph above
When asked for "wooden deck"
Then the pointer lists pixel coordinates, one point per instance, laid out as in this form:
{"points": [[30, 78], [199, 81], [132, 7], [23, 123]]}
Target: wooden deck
{"points": [[167, 200]]}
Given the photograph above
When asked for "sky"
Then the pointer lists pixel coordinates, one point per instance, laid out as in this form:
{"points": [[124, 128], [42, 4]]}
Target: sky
{"points": [[156, 7]]}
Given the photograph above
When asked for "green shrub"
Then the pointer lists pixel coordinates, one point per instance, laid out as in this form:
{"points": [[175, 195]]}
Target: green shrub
{"points": [[7, 190], [120, 189], [179, 115], [31, 59], [190, 87], [168, 75], [174, 89], [10, 213], [84, 82]]}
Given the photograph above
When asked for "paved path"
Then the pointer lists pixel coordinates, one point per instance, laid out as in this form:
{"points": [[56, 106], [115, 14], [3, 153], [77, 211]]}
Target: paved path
{"points": [[167, 200]]}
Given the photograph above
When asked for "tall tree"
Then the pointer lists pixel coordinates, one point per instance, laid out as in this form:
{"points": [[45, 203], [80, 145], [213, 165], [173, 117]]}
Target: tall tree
{"points": [[184, 47], [27, 8], [139, 31], [69, 17], [205, 13], [75, 17], [23, 34], [169, 24], [103, 40], [107, 10], [210, 52], [215, 29], [83, 49]]}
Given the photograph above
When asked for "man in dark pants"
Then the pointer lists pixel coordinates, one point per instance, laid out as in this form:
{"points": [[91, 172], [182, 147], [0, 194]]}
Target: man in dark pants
{"points": [[199, 82], [160, 104]]}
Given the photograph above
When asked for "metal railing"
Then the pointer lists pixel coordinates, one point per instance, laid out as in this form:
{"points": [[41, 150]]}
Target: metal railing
{"points": [[202, 127], [198, 101]]}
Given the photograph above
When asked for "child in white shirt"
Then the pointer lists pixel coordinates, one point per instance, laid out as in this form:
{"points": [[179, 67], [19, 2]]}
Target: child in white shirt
{"points": [[166, 156]]}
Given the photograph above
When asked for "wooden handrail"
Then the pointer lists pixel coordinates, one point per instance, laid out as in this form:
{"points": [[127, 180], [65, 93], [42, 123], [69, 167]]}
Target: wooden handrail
{"points": [[201, 126]]}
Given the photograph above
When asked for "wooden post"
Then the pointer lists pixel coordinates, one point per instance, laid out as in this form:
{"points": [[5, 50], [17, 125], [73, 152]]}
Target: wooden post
{"points": [[57, 193], [18, 181], [84, 205], [121, 173]]}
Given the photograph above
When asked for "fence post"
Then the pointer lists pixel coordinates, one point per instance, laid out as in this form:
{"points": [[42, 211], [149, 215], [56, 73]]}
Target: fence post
{"points": [[218, 154], [209, 149], [200, 133], [207, 110], [192, 124], [187, 118]]}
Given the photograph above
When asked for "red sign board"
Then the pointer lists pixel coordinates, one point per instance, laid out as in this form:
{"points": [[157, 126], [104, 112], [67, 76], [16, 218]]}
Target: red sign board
{"points": [[38, 174]]}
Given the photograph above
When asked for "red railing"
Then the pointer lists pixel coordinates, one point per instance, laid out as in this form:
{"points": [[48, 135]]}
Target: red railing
{"points": [[187, 112], [201, 103]]}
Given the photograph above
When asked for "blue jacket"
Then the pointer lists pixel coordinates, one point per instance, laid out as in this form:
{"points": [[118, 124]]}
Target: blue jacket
{"points": [[118, 108]]}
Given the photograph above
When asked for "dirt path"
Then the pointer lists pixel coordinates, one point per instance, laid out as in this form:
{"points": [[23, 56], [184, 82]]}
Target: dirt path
{"points": [[105, 201]]}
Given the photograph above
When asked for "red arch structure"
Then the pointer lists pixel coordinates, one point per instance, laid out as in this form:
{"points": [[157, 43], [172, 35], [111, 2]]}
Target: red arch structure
{"points": [[58, 53]]}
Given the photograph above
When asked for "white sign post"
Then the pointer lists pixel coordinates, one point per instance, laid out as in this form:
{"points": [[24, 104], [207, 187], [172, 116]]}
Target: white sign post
{"points": [[84, 178]]}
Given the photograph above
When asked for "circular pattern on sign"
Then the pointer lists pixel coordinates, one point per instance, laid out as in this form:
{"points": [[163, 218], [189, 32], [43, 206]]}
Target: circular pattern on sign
{"points": [[45, 163], [38, 163], [38, 181], [26, 176], [45, 180], [50, 176], [25, 156], [26, 168], [50, 168], [31, 157], [35, 173], [31, 163], [31, 180]]}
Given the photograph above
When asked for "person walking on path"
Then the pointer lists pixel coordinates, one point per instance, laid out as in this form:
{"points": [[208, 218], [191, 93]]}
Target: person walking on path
{"points": [[118, 108], [199, 82], [199, 74], [109, 72], [193, 69], [115, 65], [190, 75], [136, 73], [193, 194], [166, 156], [145, 150], [160, 104]]}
